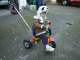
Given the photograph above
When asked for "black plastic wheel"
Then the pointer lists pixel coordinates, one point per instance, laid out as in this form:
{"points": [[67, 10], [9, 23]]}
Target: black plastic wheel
{"points": [[53, 44], [27, 44]]}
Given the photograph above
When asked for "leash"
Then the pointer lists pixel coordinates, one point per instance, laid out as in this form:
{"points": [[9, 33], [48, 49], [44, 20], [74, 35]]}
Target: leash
{"points": [[23, 18]]}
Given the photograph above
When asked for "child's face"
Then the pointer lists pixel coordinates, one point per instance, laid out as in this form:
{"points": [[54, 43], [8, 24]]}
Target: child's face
{"points": [[43, 13]]}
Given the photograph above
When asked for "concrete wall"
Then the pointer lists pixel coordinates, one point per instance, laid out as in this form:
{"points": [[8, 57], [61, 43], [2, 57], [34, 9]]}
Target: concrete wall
{"points": [[53, 1]]}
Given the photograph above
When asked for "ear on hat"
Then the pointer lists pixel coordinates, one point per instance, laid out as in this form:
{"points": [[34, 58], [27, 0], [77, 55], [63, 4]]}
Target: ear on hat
{"points": [[43, 8]]}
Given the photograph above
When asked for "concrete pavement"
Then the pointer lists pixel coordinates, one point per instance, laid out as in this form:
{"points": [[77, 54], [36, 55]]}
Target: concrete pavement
{"points": [[65, 28]]}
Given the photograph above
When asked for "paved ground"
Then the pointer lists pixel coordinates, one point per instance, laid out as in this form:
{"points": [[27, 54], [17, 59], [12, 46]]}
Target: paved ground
{"points": [[66, 30]]}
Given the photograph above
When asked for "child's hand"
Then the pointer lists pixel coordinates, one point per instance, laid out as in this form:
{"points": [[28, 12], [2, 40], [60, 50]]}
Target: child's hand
{"points": [[47, 26]]}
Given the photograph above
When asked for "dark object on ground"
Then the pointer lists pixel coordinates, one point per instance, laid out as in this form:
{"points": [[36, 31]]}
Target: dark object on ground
{"points": [[12, 8]]}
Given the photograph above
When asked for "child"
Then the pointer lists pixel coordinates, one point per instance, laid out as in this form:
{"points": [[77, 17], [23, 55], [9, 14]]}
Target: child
{"points": [[38, 26]]}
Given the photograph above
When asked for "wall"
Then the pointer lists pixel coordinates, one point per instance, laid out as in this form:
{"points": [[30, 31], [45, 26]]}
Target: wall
{"points": [[22, 4]]}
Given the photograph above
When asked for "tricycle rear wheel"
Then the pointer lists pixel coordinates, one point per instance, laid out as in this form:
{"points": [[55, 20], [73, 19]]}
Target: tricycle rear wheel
{"points": [[53, 44], [27, 44]]}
